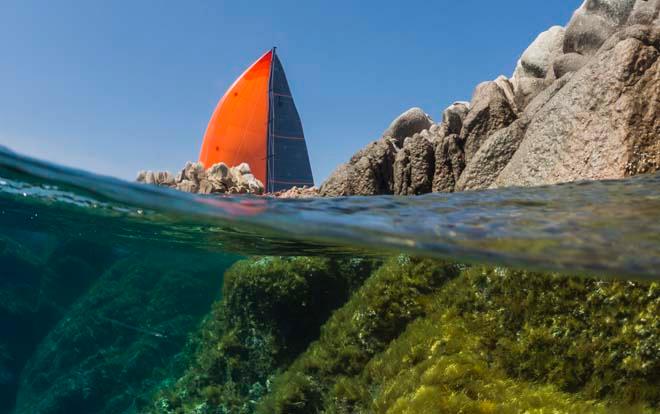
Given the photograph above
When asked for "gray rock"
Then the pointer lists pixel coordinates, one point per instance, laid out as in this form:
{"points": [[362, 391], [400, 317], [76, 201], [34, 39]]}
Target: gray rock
{"points": [[243, 168], [205, 187], [569, 62], [602, 124], [492, 157], [490, 110], [192, 171], [219, 171], [527, 89], [508, 89], [615, 11], [538, 57], [150, 178], [644, 12], [453, 117], [187, 186], [408, 123], [449, 164], [542, 98], [586, 32], [164, 178], [413, 167], [368, 172]]}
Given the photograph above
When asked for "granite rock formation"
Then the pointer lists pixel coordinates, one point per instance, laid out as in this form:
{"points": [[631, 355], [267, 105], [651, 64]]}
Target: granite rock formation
{"points": [[194, 178], [582, 103]]}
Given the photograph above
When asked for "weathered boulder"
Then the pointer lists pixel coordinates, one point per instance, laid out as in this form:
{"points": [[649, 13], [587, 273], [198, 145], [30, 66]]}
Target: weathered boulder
{"points": [[602, 124], [569, 62], [491, 158], [194, 178], [616, 11], [192, 171], [449, 163], [187, 186], [454, 115], [538, 58], [586, 33], [645, 12], [490, 110], [413, 166], [528, 88], [368, 172], [407, 124], [593, 23], [542, 98]]}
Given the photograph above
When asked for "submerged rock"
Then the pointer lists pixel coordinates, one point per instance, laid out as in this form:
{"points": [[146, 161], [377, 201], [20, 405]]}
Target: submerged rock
{"points": [[121, 337], [272, 309]]}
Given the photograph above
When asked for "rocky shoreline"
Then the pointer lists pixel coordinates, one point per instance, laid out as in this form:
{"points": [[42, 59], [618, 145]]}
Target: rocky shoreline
{"points": [[582, 104]]}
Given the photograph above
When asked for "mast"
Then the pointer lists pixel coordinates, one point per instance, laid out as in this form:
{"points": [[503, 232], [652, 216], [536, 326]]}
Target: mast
{"points": [[270, 154]]}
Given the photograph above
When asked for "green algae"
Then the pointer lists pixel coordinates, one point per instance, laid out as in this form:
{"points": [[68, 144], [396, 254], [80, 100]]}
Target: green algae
{"points": [[396, 294], [421, 336], [271, 309], [496, 340]]}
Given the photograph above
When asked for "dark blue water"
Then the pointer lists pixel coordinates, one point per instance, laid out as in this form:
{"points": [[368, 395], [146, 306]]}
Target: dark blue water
{"points": [[102, 281]]}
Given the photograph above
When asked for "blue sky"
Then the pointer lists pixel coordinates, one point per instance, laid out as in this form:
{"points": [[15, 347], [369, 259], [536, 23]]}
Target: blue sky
{"points": [[118, 86]]}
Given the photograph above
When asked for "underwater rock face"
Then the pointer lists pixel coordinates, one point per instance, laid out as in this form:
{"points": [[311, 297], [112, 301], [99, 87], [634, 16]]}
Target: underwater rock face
{"points": [[34, 293], [460, 339], [119, 337], [271, 309], [219, 178]]}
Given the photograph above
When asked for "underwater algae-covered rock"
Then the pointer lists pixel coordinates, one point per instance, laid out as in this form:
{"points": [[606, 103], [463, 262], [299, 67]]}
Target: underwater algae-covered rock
{"points": [[486, 341], [271, 309], [37, 284], [420, 336], [121, 337], [396, 294]]}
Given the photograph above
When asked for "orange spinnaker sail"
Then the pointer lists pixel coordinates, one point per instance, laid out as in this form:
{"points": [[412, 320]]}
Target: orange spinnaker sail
{"points": [[238, 128]]}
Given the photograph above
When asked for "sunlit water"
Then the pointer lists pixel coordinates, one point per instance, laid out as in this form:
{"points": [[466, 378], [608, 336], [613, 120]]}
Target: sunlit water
{"points": [[119, 274]]}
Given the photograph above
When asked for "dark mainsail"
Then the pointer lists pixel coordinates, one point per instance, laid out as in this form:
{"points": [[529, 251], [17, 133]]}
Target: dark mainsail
{"points": [[288, 161]]}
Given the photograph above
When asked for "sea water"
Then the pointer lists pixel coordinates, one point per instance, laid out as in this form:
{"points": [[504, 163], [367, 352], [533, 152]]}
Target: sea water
{"points": [[103, 282]]}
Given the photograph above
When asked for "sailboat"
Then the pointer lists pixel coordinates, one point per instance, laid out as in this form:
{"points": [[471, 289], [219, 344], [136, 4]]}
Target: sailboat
{"points": [[256, 121]]}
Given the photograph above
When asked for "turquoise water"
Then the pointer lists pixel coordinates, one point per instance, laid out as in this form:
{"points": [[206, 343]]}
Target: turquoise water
{"points": [[103, 281]]}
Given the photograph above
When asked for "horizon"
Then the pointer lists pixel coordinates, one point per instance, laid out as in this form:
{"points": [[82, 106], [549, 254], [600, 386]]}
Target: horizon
{"points": [[118, 88]]}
